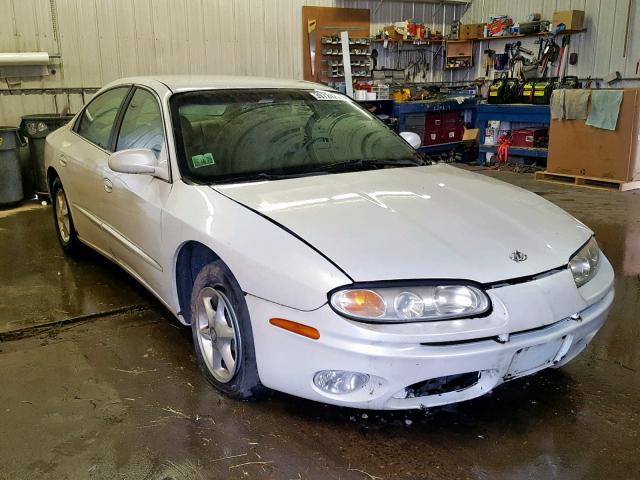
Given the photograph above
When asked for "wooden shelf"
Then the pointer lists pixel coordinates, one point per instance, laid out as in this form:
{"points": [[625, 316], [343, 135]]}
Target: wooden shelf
{"points": [[522, 35], [517, 151], [415, 43], [351, 54]]}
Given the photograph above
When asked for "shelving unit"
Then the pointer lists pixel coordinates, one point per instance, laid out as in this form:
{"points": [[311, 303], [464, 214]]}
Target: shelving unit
{"points": [[358, 49], [529, 35], [415, 43], [459, 54], [517, 151], [463, 58], [327, 23], [535, 114]]}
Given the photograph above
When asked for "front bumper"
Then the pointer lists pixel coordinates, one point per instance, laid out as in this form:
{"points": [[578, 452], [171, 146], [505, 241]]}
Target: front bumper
{"points": [[399, 356]]}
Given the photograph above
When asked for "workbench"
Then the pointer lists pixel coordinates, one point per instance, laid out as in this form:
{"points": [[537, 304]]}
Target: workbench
{"points": [[409, 117], [520, 113]]}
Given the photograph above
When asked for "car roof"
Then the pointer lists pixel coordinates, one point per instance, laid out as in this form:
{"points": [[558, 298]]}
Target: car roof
{"points": [[183, 83]]}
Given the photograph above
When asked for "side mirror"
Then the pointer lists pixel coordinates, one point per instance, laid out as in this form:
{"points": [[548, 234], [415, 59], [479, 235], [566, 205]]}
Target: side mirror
{"points": [[135, 160], [412, 139]]}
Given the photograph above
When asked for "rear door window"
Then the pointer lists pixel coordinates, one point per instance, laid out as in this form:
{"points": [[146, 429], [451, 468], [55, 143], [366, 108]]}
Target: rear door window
{"points": [[99, 116]]}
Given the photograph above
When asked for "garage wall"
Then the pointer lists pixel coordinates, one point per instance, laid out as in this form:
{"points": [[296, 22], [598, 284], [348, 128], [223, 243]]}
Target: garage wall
{"points": [[102, 40], [600, 48]]}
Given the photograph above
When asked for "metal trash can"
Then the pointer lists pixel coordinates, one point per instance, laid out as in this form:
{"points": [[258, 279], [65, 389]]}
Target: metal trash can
{"points": [[10, 176], [36, 128]]}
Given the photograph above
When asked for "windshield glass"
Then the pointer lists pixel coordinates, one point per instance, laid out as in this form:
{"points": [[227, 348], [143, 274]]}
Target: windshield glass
{"points": [[229, 135]]}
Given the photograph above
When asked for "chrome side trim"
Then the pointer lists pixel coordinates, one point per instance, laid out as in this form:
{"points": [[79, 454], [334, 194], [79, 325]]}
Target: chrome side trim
{"points": [[89, 215], [132, 247]]}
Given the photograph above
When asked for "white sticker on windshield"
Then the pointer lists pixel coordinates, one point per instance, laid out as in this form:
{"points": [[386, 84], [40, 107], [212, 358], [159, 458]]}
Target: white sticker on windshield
{"points": [[326, 95]]}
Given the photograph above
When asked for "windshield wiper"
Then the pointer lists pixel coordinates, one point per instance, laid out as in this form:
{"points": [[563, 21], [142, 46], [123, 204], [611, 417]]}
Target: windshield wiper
{"points": [[365, 163], [350, 165], [250, 177], [260, 177]]}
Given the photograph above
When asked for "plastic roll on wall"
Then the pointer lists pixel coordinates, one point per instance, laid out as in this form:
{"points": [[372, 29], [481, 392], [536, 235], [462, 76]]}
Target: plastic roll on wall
{"points": [[23, 58]]}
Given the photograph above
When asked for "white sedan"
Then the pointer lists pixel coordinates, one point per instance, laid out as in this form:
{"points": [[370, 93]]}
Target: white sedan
{"points": [[313, 251]]}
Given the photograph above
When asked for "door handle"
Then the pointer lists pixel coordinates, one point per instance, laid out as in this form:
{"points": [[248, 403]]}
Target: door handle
{"points": [[108, 185], [63, 160]]}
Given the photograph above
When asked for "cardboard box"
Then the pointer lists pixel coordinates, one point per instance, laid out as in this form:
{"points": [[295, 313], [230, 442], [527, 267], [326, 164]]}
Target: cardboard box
{"points": [[470, 135], [576, 148], [572, 19], [459, 48], [471, 31], [390, 32]]}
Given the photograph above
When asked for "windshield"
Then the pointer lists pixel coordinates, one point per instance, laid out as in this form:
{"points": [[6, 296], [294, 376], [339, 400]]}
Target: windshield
{"points": [[231, 135]]}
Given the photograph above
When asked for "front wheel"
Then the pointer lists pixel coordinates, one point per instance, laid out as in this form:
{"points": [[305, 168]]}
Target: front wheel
{"points": [[65, 230], [222, 333]]}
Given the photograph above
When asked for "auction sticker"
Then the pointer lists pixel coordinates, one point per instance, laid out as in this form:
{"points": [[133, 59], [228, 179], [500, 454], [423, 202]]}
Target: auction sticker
{"points": [[326, 95], [203, 160]]}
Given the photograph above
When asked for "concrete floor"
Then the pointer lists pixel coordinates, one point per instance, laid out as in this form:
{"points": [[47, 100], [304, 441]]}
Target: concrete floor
{"points": [[99, 382]]}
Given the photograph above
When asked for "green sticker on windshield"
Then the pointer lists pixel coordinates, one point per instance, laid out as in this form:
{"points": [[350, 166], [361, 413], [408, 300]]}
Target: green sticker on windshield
{"points": [[203, 160]]}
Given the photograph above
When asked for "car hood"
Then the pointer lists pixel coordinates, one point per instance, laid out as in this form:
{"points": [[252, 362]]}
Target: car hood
{"points": [[419, 222]]}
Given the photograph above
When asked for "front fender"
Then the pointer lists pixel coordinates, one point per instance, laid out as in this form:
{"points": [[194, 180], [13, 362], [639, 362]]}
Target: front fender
{"points": [[267, 261]]}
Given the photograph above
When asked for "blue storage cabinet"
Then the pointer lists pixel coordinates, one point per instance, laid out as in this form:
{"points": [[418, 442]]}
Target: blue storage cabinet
{"points": [[520, 113]]}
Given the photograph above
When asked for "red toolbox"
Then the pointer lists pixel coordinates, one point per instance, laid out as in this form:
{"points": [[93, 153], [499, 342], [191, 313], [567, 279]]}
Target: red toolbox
{"points": [[443, 127], [452, 119], [433, 121], [432, 137], [449, 134], [530, 137]]}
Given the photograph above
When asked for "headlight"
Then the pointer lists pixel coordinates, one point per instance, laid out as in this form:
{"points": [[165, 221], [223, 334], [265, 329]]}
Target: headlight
{"points": [[584, 264], [409, 304]]}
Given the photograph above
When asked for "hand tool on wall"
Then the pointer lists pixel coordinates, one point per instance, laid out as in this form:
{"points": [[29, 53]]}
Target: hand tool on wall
{"points": [[549, 55], [311, 32], [562, 57], [488, 61]]}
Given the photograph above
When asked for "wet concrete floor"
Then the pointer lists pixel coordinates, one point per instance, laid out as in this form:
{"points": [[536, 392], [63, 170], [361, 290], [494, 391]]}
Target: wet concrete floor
{"points": [[41, 285], [117, 394]]}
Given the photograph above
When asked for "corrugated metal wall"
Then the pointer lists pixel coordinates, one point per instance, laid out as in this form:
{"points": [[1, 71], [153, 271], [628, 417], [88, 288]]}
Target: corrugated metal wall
{"points": [[101, 40], [600, 48]]}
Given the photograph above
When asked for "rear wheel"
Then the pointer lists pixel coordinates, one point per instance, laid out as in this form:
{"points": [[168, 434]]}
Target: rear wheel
{"points": [[222, 333], [65, 229]]}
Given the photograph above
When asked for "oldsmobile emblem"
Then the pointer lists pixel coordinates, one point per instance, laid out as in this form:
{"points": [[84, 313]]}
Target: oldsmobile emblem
{"points": [[518, 256]]}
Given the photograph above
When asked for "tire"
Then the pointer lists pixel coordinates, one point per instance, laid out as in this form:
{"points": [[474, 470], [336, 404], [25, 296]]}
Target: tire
{"points": [[224, 341], [65, 229]]}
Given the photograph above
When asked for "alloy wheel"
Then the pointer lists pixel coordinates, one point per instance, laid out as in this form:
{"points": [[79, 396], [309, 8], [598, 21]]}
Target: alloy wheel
{"points": [[217, 333], [62, 216]]}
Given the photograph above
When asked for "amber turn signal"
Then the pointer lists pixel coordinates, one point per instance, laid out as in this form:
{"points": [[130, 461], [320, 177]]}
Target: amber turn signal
{"points": [[300, 329], [360, 303]]}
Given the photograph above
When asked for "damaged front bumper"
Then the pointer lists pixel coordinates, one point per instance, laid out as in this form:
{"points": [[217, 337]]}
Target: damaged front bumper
{"points": [[434, 363]]}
